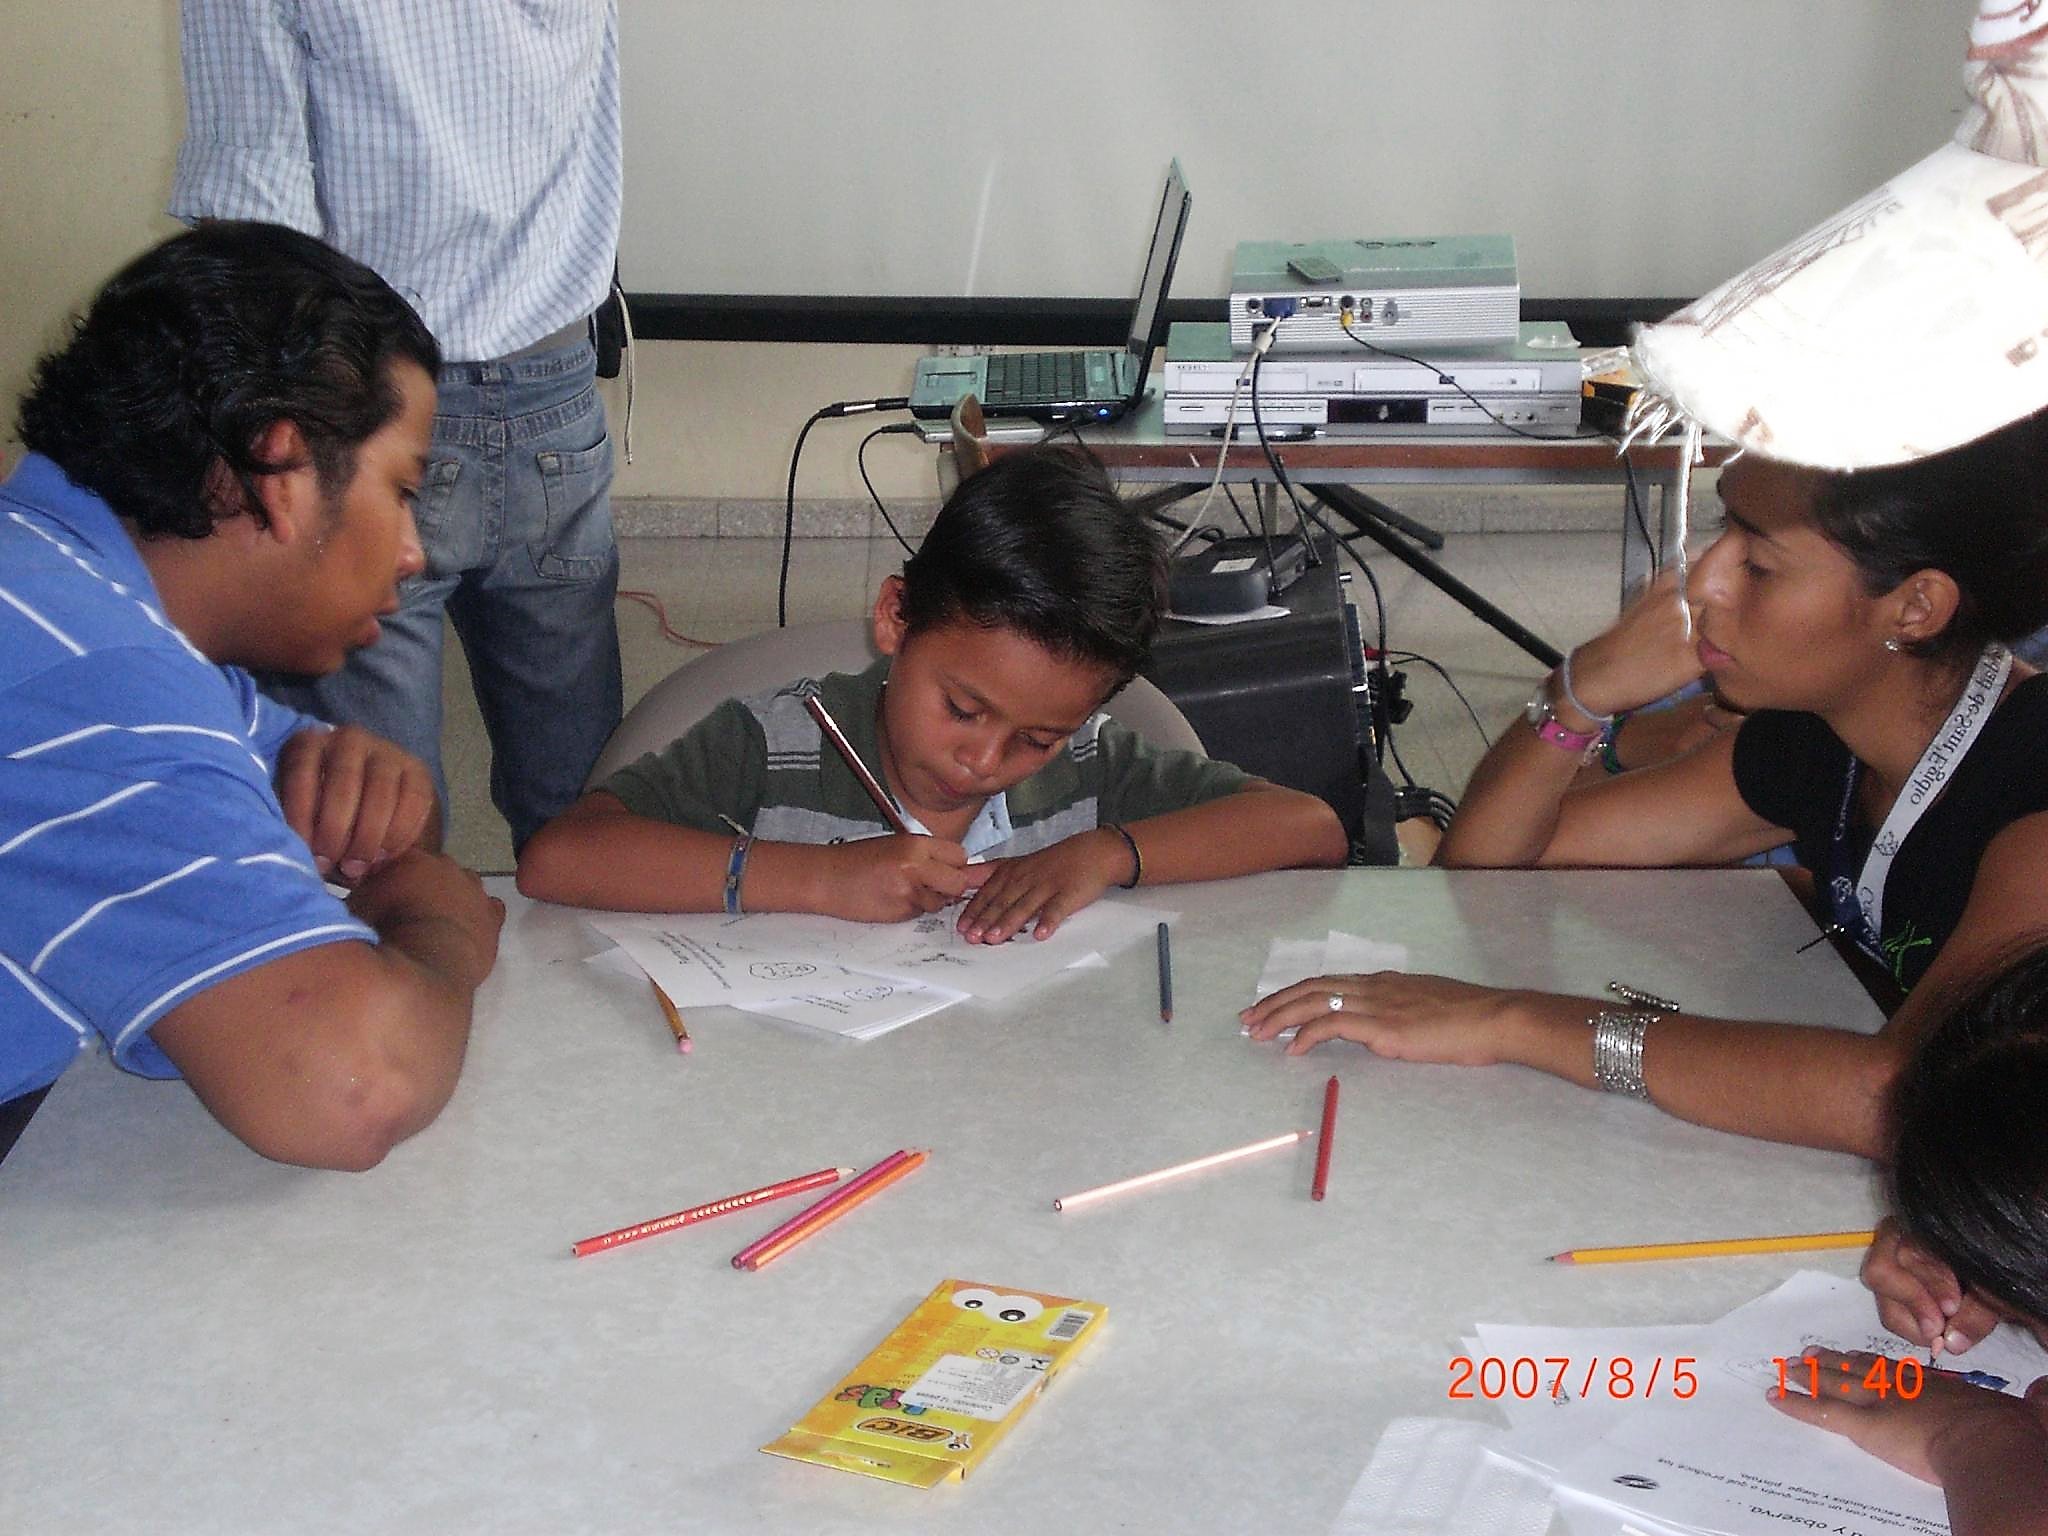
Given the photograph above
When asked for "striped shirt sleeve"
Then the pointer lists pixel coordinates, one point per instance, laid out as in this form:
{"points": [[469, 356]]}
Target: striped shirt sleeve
{"points": [[144, 856], [247, 153]]}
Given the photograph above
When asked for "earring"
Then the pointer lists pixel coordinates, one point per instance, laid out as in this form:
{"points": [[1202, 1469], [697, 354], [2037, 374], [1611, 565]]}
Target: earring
{"points": [[1891, 643]]}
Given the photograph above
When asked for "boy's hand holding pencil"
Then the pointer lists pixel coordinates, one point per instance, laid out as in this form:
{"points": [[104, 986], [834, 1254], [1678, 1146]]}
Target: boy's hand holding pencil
{"points": [[888, 879]]}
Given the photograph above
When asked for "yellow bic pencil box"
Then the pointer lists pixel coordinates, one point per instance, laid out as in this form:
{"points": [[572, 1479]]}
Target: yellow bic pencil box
{"points": [[948, 1382]]}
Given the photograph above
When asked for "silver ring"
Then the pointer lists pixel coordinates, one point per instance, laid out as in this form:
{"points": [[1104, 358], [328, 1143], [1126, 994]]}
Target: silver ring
{"points": [[1336, 1002]]}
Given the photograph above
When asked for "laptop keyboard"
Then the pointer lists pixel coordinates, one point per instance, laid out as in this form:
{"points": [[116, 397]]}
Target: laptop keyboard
{"points": [[1038, 378]]}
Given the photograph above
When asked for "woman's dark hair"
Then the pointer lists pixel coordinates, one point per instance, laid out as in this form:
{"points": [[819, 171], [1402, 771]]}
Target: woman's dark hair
{"points": [[1969, 1169], [1978, 512], [1039, 542], [196, 348]]}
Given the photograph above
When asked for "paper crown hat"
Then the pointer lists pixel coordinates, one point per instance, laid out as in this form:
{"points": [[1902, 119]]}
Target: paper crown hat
{"points": [[1914, 320]]}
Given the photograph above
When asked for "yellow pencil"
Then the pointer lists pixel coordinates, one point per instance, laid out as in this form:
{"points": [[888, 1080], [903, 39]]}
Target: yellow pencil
{"points": [[676, 1026], [1715, 1248]]}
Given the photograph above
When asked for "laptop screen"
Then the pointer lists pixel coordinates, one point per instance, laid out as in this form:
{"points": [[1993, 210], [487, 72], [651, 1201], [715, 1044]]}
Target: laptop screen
{"points": [[1159, 260]]}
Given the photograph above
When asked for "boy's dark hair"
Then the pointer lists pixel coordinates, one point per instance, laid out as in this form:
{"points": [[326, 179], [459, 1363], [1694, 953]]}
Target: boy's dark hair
{"points": [[1978, 512], [197, 347], [1039, 542], [1969, 1171]]}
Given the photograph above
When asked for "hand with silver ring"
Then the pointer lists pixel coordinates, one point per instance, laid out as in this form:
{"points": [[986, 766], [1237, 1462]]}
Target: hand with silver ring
{"points": [[1392, 1014]]}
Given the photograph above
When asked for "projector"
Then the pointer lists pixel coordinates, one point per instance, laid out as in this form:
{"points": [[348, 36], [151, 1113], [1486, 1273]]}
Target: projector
{"points": [[1427, 291]]}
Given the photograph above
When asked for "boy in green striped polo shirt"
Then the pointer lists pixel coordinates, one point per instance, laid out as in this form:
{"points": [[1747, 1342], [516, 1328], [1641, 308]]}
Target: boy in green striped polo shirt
{"points": [[1033, 599]]}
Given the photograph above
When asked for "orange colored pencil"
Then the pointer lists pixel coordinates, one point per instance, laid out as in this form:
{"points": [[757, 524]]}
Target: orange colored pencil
{"points": [[900, 1169], [676, 1026], [1321, 1184], [705, 1212], [744, 1258]]}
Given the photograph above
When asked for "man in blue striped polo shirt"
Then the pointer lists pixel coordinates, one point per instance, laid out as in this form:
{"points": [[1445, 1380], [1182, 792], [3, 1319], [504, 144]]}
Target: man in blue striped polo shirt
{"points": [[221, 468]]}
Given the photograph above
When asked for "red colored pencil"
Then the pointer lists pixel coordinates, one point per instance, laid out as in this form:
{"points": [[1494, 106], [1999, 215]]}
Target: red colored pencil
{"points": [[697, 1213], [898, 1170], [1321, 1185], [803, 1218]]}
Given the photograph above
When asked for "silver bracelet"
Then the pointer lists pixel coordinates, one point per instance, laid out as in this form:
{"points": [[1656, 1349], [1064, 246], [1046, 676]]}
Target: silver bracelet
{"points": [[1564, 686], [1618, 1052]]}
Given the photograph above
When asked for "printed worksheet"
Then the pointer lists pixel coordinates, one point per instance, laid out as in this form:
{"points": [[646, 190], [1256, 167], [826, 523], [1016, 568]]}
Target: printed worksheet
{"points": [[704, 959], [866, 1006], [1726, 1460], [1584, 1380]]}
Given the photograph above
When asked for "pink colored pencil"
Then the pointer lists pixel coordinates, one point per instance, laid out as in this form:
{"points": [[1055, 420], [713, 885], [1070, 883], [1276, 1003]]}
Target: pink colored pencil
{"points": [[1140, 1181], [782, 1245], [1321, 1185], [803, 1218], [697, 1213]]}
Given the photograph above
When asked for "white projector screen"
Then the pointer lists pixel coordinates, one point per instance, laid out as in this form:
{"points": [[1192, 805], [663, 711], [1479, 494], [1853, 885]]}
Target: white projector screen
{"points": [[1634, 148]]}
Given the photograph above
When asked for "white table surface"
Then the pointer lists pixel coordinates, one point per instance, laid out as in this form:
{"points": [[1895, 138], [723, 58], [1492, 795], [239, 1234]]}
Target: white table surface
{"points": [[195, 1340]]}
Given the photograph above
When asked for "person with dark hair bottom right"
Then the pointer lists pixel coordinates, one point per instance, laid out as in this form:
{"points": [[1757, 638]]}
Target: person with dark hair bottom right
{"points": [[1964, 1250], [1033, 599], [222, 463]]}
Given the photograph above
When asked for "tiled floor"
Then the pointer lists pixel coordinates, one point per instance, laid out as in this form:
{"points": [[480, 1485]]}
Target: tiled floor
{"points": [[1563, 586]]}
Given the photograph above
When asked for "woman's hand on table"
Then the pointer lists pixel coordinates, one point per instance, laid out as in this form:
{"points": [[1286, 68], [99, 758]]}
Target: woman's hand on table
{"points": [[1392, 1014]]}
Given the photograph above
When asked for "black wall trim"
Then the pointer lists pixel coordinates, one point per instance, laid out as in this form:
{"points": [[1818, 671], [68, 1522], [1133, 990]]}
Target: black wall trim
{"points": [[1009, 322]]}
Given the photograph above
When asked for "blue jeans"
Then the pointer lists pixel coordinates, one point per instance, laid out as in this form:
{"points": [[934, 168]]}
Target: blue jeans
{"points": [[515, 517]]}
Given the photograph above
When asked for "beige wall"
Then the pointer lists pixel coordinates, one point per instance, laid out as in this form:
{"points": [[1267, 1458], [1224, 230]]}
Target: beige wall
{"points": [[91, 111]]}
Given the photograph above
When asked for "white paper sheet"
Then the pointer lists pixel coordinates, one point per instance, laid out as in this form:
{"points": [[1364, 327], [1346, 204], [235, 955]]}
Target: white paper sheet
{"points": [[1727, 1461], [851, 1004], [1544, 1431], [1268, 611], [928, 949], [864, 1008], [1432, 1477], [1335, 954]]}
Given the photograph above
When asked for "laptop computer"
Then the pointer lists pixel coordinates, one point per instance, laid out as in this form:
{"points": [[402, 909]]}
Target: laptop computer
{"points": [[1098, 384]]}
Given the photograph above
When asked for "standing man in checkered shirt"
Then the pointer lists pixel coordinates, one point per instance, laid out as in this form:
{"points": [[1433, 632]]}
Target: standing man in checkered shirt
{"points": [[470, 155]]}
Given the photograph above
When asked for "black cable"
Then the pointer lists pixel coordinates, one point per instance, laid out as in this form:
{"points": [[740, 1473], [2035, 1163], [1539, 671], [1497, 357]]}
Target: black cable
{"points": [[1440, 671], [860, 459], [1301, 519], [1635, 500], [1406, 777], [1230, 495], [1635, 507], [836, 409], [1259, 427], [789, 520]]}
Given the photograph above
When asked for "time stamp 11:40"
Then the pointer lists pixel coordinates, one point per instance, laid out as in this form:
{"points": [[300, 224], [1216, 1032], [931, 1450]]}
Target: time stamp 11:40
{"points": [[1624, 1377]]}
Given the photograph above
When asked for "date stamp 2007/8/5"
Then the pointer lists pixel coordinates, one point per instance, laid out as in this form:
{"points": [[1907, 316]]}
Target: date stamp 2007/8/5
{"points": [[1621, 1377]]}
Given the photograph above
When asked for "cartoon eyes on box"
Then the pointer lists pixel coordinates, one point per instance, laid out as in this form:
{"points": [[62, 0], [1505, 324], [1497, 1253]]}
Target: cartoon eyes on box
{"points": [[1004, 1309]]}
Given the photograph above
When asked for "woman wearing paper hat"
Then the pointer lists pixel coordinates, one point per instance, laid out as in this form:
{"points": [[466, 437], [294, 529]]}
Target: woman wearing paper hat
{"points": [[1887, 378]]}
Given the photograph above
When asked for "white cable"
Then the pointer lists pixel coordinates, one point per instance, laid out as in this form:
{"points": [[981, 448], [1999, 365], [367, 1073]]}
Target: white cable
{"points": [[1262, 343]]}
